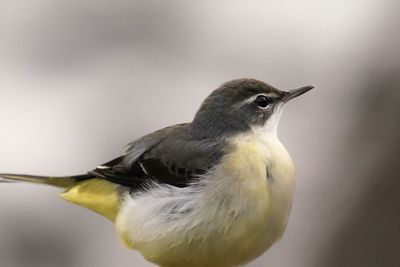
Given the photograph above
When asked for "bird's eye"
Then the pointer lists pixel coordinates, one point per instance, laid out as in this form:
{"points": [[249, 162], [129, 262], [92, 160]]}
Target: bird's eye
{"points": [[262, 101]]}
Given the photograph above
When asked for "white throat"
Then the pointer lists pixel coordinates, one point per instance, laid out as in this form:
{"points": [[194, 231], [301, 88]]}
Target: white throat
{"points": [[270, 129]]}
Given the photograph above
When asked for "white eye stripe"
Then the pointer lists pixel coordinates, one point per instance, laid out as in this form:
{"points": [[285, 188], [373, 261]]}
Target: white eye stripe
{"points": [[253, 98]]}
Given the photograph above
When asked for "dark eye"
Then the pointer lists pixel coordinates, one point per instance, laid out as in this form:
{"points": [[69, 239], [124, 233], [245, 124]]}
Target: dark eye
{"points": [[262, 101]]}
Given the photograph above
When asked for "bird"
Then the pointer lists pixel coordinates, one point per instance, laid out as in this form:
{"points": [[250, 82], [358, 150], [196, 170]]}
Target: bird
{"points": [[216, 191]]}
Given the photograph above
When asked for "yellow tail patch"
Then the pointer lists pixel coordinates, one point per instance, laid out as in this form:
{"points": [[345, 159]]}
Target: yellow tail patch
{"points": [[98, 195]]}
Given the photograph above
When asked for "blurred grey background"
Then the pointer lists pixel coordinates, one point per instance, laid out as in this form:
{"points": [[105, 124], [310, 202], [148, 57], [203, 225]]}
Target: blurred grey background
{"points": [[80, 79]]}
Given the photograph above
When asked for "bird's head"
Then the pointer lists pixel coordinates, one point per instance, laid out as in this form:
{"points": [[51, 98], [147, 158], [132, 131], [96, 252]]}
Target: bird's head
{"points": [[242, 105]]}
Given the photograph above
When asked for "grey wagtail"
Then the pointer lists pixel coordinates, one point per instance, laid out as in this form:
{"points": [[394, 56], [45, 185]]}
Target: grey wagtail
{"points": [[213, 192]]}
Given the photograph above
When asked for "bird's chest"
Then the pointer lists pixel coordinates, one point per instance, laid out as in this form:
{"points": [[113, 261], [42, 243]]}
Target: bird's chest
{"points": [[258, 180], [244, 205]]}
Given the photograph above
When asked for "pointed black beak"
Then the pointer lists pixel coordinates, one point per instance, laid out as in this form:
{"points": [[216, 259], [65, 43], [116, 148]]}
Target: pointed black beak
{"points": [[296, 92]]}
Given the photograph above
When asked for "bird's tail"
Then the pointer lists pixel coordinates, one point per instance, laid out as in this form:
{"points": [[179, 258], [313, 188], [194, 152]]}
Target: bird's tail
{"points": [[86, 190], [61, 181]]}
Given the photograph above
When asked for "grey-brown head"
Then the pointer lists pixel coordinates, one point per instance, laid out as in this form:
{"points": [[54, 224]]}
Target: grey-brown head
{"points": [[239, 106]]}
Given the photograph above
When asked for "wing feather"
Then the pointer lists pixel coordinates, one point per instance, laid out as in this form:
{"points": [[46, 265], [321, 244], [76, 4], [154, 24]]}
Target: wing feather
{"points": [[169, 156]]}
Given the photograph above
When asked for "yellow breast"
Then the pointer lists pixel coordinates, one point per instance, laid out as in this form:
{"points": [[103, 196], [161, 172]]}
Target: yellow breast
{"points": [[264, 184]]}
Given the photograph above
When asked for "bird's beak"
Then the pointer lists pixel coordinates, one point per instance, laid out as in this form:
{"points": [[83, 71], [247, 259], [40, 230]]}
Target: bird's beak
{"points": [[296, 92]]}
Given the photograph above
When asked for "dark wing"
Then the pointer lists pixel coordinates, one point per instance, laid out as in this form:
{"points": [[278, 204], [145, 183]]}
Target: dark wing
{"points": [[169, 156]]}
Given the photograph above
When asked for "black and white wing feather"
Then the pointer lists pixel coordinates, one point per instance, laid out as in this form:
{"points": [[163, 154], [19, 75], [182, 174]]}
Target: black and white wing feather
{"points": [[169, 156]]}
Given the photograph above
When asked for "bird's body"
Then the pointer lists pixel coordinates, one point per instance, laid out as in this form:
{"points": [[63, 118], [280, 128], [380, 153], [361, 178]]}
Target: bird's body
{"points": [[198, 194], [215, 222]]}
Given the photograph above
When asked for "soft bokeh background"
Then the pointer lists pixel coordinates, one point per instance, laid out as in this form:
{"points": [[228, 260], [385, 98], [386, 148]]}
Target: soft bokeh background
{"points": [[80, 79]]}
